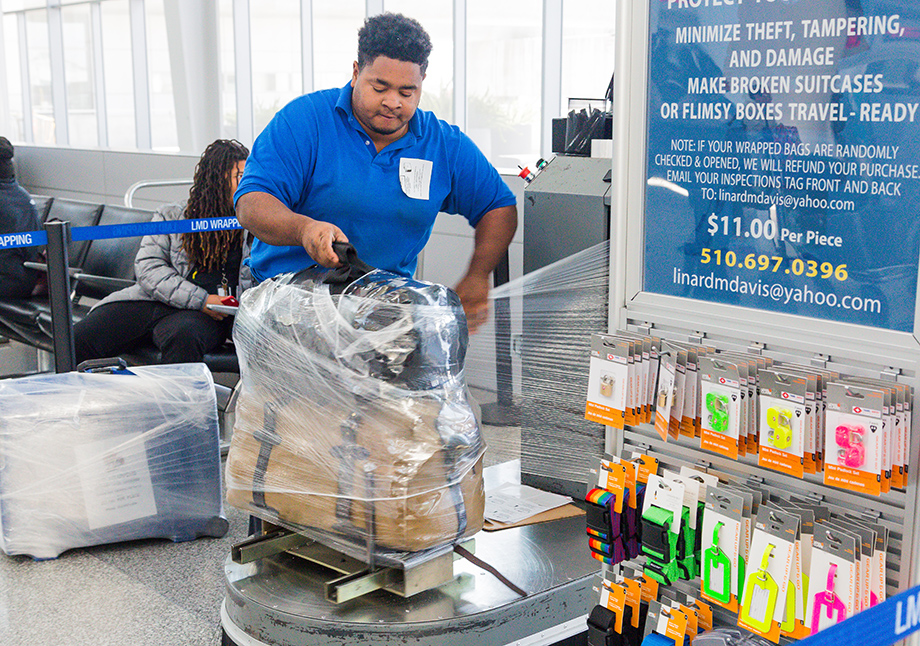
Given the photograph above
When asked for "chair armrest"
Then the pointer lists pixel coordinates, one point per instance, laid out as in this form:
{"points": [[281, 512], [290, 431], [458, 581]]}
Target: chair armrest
{"points": [[103, 281], [43, 266]]}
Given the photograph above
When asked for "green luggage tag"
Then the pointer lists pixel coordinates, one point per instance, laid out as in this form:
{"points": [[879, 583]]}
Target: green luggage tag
{"points": [[788, 624], [717, 568], [740, 579], [760, 596]]}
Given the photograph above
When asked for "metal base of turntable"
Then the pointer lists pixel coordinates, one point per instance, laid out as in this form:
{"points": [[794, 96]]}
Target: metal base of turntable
{"points": [[280, 600]]}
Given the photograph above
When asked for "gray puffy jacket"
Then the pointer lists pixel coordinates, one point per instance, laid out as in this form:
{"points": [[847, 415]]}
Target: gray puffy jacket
{"points": [[161, 268]]}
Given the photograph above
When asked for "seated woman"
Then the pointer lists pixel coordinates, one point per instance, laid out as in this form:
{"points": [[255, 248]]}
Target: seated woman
{"points": [[179, 275]]}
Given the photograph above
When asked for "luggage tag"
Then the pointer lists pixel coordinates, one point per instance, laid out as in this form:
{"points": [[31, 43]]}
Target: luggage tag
{"points": [[828, 601], [788, 625], [760, 596], [718, 569]]}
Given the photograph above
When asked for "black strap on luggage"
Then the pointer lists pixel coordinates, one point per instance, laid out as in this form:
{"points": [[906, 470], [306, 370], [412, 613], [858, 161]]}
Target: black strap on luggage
{"points": [[351, 270], [268, 439], [109, 365]]}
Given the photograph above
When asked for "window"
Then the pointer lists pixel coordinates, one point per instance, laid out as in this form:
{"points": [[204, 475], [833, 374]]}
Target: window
{"points": [[335, 40], [276, 58], [40, 77], [229, 128], [503, 71], [119, 74], [16, 126], [164, 134], [82, 129], [503, 81], [588, 28]]}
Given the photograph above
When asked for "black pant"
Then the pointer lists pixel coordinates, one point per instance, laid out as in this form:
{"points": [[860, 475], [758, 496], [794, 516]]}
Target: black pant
{"points": [[182, 336]]}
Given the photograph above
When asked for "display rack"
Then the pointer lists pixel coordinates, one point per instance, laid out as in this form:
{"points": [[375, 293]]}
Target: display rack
{"points": [[649, 230]]}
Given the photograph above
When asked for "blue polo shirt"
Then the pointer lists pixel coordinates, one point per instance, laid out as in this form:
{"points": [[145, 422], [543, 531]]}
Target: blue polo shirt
{"points": [[316, 158]]}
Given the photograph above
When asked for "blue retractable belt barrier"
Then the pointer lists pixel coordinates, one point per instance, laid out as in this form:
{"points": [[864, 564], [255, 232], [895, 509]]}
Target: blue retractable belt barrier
{"points": [[882, 625], [37, 238], [24, 239]]}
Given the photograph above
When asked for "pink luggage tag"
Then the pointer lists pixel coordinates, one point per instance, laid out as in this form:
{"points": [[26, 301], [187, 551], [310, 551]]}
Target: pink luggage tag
{"points": [[828, 601]]}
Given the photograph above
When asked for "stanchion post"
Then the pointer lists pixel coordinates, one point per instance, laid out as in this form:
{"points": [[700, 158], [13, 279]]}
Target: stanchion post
{"points": [[59, 296]]}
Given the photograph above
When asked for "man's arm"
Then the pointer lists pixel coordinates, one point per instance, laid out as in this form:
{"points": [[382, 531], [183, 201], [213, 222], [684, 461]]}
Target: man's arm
{"points": [[272, 222], [493, 235]]}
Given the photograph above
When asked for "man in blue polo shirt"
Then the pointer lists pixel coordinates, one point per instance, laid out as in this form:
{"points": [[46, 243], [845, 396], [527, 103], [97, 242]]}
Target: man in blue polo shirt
{"points": [[364, 165]]}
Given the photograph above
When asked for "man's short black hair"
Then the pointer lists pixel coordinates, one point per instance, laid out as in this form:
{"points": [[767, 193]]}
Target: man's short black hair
{"points": [[395, 36]]}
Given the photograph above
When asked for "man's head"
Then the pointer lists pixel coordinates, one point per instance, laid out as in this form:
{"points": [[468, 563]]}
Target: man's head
{"points": [[6, 159], [395, 36], [387, 77]]}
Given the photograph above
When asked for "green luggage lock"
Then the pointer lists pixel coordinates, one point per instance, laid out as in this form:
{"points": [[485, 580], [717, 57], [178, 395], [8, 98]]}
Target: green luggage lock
{"points": [[717, 405]]}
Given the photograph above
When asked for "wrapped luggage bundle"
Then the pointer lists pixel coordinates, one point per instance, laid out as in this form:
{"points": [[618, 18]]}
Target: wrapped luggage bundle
{"points": [[353, 417], [93, 458]]}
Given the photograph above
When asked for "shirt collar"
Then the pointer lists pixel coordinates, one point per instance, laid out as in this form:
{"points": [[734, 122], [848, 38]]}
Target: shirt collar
{"points": [[343, 105]]}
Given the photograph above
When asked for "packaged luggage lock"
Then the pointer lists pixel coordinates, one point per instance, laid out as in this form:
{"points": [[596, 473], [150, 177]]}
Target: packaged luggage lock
{"points": [[717, 405], [779, 420]]}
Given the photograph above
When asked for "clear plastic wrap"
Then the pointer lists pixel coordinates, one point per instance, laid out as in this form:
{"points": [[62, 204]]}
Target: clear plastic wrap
{"points": [[527, 367], [93, 458], [353, 417]]}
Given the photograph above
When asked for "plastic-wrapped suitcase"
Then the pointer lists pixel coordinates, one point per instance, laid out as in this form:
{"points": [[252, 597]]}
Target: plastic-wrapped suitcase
{"points": [[88, 458], [353, 416]]}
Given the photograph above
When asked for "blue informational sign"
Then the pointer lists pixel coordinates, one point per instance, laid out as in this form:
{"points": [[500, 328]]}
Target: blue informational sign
{"points": [[784, 156]]}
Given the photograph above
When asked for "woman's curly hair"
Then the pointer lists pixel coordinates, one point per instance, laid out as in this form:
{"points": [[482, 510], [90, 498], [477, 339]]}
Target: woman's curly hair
{"points": [[210, 197]]}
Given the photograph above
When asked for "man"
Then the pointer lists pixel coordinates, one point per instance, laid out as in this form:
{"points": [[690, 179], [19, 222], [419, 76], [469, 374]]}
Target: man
{"points": [[17, 215], [364, 165]]}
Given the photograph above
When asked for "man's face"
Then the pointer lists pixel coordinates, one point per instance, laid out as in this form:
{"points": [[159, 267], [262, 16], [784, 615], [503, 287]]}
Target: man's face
{"points": [[384, 97]]}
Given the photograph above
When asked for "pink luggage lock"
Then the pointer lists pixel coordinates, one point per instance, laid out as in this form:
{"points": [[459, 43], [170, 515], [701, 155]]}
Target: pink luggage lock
{"points": [[828, 600], [852, 452]]}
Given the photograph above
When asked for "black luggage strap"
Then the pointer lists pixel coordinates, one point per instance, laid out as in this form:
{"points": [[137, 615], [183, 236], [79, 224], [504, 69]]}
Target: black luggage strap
{"points": [[268, 439], [347, 453], [351, 270], [475, 560]]}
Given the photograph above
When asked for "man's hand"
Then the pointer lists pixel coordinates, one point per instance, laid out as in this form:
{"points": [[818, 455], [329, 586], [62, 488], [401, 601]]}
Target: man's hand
{"points": [[317, 238], [273, 223], [213, 299], [473, 290], [493, 235]]}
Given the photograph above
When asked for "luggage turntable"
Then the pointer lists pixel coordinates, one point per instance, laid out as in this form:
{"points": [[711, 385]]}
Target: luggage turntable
{"points": [[281, 599]]}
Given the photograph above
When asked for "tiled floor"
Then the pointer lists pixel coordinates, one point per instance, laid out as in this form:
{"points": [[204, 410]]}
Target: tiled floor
{"points": [[141, 593]]}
